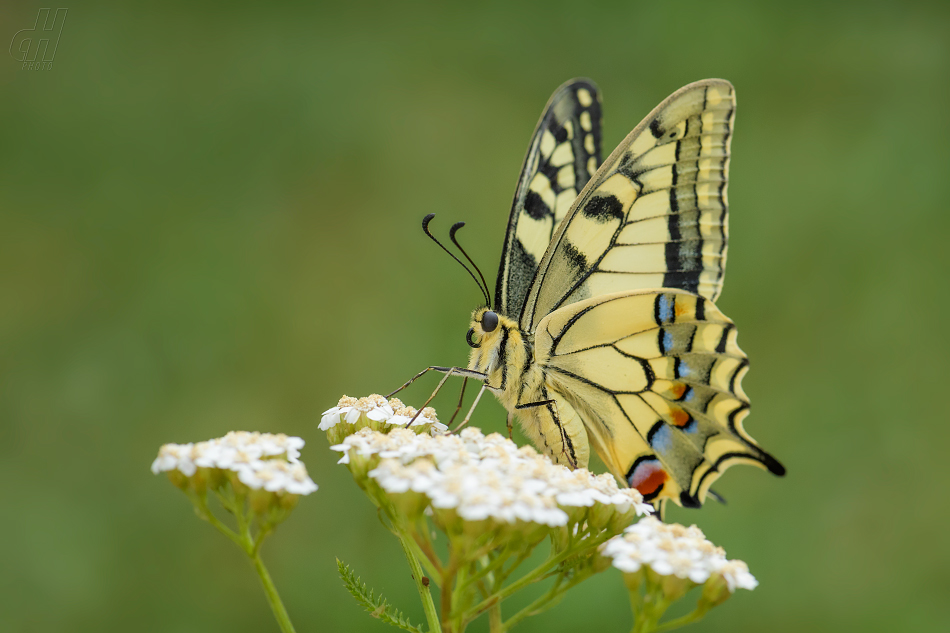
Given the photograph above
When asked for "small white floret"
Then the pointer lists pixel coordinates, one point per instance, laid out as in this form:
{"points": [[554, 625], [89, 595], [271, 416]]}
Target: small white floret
{"points": [[672, 549]]}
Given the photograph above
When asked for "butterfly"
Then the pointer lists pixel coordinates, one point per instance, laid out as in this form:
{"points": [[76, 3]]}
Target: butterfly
{"points": [[603, 333]]}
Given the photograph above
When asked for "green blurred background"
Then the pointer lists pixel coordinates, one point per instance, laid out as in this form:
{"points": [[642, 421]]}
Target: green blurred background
{"points": [[210, 221]]}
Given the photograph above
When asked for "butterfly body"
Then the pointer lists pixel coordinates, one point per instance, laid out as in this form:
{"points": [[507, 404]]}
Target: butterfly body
{"points": [[604, 333], [506, 356]]}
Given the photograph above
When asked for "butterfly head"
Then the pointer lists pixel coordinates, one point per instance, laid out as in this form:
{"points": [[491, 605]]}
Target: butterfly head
{"points": [[487, 328]]}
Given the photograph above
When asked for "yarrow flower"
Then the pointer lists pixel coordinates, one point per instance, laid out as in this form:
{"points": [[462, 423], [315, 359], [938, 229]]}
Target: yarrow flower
{"points": [[261, 461], [257, 478], [377, 413], [473, 477], [675, 550]]}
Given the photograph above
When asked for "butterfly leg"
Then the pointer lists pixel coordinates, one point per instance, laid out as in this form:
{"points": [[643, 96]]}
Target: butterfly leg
{"points": [[468, 415], [461, 396], [448, 373], [410, 381], [508, 423], [457, 371]]}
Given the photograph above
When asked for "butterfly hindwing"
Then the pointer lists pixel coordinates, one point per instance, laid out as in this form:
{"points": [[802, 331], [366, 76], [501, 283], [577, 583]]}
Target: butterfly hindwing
{"points": [[655, 213], [563, 154], [656, 377]]}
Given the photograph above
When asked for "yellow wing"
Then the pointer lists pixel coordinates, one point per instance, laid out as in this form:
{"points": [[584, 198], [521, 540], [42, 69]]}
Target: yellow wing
{"points": [[563, 154], [656, 378], [655, 213]]}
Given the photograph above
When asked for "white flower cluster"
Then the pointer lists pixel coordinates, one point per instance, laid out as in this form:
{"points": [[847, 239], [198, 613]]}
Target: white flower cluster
{"points": [[261, 460], [479, 477], [671, 549], [378, 413]]}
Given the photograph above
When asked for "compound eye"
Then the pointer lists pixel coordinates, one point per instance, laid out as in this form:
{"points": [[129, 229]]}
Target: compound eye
{"points": [[489, 321]]}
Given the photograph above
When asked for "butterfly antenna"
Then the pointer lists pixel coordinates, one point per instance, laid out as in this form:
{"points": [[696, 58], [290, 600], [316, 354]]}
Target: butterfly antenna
{"points": [[425, 228], [452, 232]]}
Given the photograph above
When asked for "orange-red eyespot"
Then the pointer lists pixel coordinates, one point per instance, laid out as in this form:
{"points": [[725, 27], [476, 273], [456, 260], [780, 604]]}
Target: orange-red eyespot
{"points": [[648, 477], [680, 418]]}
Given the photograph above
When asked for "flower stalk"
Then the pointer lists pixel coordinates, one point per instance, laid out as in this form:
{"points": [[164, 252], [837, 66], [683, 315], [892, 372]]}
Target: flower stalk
{"points": [[257, 478], [428, 605]]}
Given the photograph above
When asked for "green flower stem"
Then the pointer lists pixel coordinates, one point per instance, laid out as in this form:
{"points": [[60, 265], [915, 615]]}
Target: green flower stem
{"points": [[424, 543], [533, 576], [654, 606], [273, 598], [427, 604], [249, 545], [503, 573], [689, 618], [544, 602], [201, 506], [495, 624], [447, 590], [459, 596], [494, 564], [636, 606], [432, 568]]}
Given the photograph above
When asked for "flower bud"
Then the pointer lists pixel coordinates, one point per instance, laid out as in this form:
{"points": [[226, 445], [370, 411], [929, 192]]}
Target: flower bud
{"points": [[715, 592], [674, 587], [634, 580]]}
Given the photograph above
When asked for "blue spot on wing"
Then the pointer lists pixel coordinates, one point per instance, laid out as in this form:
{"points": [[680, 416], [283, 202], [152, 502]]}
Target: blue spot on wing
{"points": [[660, 439], [666, 308], [667, 341]]}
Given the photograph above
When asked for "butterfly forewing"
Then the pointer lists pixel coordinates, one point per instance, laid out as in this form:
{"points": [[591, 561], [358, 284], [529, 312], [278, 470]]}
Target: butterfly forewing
{"points": [[563, 154], [655, 213], [656, 377]]}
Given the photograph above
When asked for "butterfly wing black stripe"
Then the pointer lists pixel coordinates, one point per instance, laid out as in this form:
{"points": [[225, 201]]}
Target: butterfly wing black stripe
{"points": [[563, 154]]}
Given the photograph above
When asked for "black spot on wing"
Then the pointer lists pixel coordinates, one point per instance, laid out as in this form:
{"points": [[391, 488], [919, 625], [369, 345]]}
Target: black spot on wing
{"points": [[656, 129], [559, 132], [550, 172], [534, 206], [576, 258], [603, 209]]}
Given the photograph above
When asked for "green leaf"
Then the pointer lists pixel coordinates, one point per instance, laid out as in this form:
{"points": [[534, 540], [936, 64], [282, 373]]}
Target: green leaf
{"points": [[375, 605]]}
